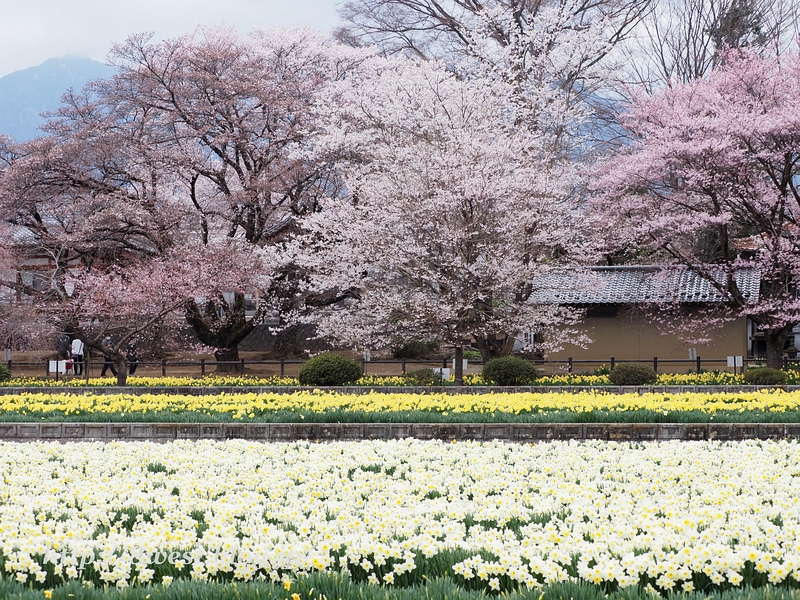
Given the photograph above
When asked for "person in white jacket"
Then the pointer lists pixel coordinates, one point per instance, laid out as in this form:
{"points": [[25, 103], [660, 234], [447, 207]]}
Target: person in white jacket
{"points": [[77, 356]]}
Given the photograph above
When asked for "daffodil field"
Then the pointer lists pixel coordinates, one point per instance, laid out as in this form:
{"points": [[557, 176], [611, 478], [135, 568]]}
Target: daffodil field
{"points": [[704, 378], [773, 405], [381, 519], [661, 517]]}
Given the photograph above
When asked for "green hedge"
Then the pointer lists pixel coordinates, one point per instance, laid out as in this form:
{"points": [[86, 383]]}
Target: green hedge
{"points": [[765, 376], [632, 374], [509, 370], [423, 377], [329, 369]]}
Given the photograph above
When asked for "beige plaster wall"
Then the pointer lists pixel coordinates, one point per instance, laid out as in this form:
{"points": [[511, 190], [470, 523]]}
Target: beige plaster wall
{"points": [[632, 336]]}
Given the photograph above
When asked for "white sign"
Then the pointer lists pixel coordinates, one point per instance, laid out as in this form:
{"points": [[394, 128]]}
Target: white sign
{"points": [[445, 373], [464, 364], [735, 361], [58, 366]]}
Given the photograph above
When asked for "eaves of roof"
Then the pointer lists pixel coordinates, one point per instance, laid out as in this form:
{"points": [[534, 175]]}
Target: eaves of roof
{"points": [[638, 285]]}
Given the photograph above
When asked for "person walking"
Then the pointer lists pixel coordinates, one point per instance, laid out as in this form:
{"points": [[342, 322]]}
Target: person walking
{"points": [[77, 356], [107, 345], [132, 357], [62, 346]]}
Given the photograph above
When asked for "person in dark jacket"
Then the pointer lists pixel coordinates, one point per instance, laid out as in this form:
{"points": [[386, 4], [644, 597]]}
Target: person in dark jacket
{"points": [[63, 346], [132, 357], [107, 346]]}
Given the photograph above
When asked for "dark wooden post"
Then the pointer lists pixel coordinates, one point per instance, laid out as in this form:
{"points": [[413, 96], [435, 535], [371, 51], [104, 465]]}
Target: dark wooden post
{"points": [[613, 363], [655, 364], [202, 367], [163, 367], [569, 365]]}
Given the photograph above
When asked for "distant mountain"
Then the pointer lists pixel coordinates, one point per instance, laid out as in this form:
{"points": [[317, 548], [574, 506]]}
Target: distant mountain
{"points": [[27, 93]]}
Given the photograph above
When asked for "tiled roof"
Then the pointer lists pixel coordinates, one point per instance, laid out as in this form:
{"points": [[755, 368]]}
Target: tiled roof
{"points": [[636, 285]]}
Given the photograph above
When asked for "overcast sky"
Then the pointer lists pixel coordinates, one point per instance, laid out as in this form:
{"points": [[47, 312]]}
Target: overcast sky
{"points": [[34, 30]]}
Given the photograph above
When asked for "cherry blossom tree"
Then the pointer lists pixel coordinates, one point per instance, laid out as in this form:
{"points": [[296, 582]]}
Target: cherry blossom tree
{"points": [[200, 140], [717, 160], [20, 329], [566, 46], [96, 228], [451, 210], [83, 198], [452, 29], [126, 303], [233, 120]]}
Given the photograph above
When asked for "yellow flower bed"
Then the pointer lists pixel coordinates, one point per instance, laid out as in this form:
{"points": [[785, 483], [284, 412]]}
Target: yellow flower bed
{"points": [[672, 513], [167, 381], [716, 378], [244, 405]]}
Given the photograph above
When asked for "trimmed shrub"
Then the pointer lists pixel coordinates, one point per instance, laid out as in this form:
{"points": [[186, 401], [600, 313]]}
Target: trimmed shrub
{"points": [[329, 369], [415, 349], [632, 374], [423, 377], [509, 370], [5, 374], [765, 376]]}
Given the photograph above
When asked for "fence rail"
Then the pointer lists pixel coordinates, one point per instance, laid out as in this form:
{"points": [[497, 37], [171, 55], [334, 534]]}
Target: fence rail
{"points": [[288, 367]]}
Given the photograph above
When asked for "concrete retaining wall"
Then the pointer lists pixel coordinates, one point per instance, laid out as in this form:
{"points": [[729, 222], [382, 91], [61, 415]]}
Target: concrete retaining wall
{"points": [[284, 432]]}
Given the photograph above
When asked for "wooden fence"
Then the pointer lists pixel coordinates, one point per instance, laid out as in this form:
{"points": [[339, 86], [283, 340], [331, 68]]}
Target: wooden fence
{"points": [[289, 368]]}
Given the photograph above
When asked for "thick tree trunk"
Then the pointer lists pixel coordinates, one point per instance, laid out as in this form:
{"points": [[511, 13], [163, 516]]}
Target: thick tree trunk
{"points": [[122, 369], [229, 357], [775, 340], [120, 364], [494, 346], [222, 327], [459, 366]]}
